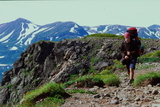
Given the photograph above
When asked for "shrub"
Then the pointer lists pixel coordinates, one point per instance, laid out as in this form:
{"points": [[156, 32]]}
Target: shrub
{"points": [[149, 78], [48, 90], [85, 81], [106, 72], [110, 80]]}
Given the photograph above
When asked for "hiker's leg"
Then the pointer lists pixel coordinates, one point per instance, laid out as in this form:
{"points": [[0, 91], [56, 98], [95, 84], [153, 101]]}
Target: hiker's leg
{"points": [[128, 70], [128, 73], [131, 73], [132, 67]]}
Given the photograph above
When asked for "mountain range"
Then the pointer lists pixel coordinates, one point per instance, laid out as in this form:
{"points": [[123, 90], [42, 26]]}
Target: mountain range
{"points": [[17, 35]]}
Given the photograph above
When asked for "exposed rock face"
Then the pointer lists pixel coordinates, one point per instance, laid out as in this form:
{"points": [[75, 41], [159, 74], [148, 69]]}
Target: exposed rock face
{"points": [[27, 72], [48, 61]]}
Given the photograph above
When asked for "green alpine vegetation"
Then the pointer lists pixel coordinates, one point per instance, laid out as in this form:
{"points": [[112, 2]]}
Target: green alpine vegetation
{"points": [[150, 57], [85, 81], [50, 94], [105, 35], [110, 79], [149, 78]]}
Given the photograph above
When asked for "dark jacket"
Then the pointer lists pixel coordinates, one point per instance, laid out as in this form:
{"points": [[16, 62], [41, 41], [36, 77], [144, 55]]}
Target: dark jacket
{"points": [[131, 47]]}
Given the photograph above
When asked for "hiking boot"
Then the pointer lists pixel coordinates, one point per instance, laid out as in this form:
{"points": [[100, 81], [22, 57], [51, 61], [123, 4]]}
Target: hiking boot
{"points": [[130, 81]]}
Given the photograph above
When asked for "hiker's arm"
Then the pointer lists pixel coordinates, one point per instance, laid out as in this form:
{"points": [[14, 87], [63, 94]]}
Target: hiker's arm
{"points": [[123, 52]]}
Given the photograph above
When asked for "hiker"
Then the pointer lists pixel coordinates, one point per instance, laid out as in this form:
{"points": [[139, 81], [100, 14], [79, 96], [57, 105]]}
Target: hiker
{"points": [[129, 51], [134, 36]]}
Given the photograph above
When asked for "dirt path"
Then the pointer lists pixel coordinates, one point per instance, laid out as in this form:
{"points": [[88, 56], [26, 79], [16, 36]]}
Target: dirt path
{"points": [[122, 96]]}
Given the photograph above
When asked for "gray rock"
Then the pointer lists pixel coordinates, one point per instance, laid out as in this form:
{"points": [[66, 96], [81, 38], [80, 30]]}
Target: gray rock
{"points": [[15, 80], [155, 92], [147, 91], [107, 95], [101, 65], [114, 101], [137, 99], [96, 96]]}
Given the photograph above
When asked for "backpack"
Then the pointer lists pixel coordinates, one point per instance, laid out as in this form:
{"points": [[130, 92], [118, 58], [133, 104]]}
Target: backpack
{"points": [[140, 47], [134, 36], [133, 32]]}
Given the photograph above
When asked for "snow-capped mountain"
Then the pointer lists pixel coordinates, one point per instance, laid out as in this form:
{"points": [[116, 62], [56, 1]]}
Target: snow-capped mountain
{"points": [[23, 32], [152, 32], [17, 35], [113, 29]]}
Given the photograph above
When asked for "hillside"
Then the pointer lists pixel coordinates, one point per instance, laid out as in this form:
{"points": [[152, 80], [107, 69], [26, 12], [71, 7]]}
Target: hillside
{"points": [[46, 61]]}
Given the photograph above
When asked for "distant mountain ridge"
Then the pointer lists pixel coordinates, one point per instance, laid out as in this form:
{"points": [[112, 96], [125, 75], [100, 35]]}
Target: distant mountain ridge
{"points": [[152, 32], [24, 32], [17, 35]]}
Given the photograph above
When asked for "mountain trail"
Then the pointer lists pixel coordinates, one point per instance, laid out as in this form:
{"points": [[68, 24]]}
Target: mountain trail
{"points": [[122, 96]]}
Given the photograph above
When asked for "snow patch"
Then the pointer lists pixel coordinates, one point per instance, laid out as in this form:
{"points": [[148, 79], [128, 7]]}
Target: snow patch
{"points": [[6, 37], [105, 30], [14, 48], [150, 32], [2, 56], [157, 34], [31, 28], [146, 33], [51, 38], [94, 28], [4, 64], [120, 33], [1, 34], [49, 29], [28, 41], [73, 29], [76, 26]]}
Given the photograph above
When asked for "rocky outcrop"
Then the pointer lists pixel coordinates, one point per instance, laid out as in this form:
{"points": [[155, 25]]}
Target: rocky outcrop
{"points": [[50, 61], [27, 72]]}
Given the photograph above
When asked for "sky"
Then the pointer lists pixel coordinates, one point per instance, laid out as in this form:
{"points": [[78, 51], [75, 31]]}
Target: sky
{"points": [[137, 13]]}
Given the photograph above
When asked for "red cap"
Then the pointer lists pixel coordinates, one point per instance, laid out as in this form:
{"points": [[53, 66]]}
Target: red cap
{"points": [[127, 35]]}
